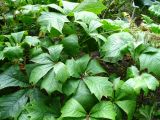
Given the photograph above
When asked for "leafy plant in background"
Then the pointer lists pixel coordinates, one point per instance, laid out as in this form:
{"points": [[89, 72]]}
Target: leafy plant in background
{"points": [[79, 60]]}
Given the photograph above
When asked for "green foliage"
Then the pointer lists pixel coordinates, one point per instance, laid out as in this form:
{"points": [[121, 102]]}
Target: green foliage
{"points": [[78, 60]]}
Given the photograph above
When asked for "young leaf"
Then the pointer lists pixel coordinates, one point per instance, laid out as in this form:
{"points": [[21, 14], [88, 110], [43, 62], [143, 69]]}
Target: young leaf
{"points": [[73, 108], [145, 82], [132, 72], [50, 20], [155, 9], [100, 86], [12, 105], [103, 110]]}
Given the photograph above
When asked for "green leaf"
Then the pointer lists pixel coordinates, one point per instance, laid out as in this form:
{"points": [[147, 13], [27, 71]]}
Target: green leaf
{"points": [[155, 9], [39, 111], [94, 24], [50, 84], [124, 91], [145, 82], [73, 108], [91, 6], [13, 52], [61, 72], [56, 7], [132, 72], [85, 16], [99, 86], [12, 105], [81, 93], [103, 109], [147, 19], [155, 28], [12, 77], [83, 63], [18, 36], [128, 110], [43, 58], [55, 51], [151, 62], [116, 46], [32, 40], [70, 86], [39, 72], [73, 68], [115, 25], [69, 6], [31, 9], [70, 44], [50, 20], [94, 67]]}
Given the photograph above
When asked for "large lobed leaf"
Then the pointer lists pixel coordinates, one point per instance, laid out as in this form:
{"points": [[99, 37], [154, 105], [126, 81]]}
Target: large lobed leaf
{"points": [[49, 20]]}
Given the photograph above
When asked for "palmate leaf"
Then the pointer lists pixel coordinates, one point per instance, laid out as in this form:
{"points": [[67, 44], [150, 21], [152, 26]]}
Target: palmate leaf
{"points": [[100, 86], [49, 20], [12, 77], [73, 110], [11, 105], [82, 65], [145, 82], [116, 46]]}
